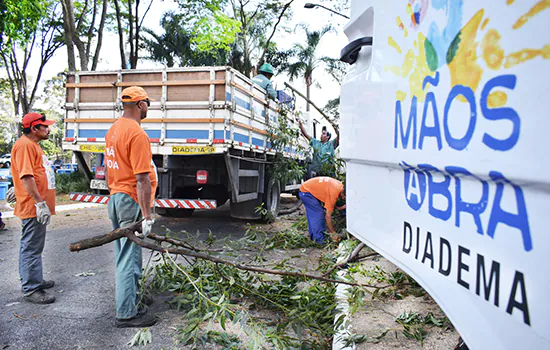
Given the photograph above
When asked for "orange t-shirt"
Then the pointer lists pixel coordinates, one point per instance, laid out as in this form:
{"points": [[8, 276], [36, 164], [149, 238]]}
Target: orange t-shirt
{"points": [[128, 153], [27, 158], [326, 189]]}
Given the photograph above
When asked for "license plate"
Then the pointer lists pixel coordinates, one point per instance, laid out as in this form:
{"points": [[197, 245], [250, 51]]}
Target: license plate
{"points": [[98, 184], [193, 149], [92, 148]]}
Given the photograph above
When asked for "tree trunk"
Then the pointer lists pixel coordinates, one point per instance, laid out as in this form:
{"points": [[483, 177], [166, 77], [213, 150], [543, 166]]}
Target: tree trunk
{"points": [[100, 35], [308, 97], [120, 36], [68, 15], [266, 47], [131, 33]]}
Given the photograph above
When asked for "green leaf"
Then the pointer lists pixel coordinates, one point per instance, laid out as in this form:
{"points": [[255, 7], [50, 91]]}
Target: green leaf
{"points": [[431, 55], [453, 48]]}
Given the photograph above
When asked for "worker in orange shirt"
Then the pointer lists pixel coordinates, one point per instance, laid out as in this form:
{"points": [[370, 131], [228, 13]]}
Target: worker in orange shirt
{"points": [[132, 180], [34, 183], [328, 191]]}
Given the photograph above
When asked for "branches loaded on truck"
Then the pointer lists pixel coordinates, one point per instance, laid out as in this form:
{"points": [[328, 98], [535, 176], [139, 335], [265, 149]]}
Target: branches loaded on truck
{"points": [[208, 129], [447, 100]]}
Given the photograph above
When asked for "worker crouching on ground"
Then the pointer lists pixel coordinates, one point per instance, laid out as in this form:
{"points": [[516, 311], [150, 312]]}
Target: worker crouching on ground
{"points": [[34, 183], [264, 80], [132, 180], [328, 191]]}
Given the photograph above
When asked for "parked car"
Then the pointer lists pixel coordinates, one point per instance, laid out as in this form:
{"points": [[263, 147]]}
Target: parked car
{"points": [[5, 161]]}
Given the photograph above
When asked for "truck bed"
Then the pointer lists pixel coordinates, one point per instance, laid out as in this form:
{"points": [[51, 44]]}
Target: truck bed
{"points": [[199, 110]]}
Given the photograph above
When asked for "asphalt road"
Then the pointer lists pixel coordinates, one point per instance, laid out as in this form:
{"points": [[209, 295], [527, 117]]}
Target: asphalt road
{"points": [[83, 315]]}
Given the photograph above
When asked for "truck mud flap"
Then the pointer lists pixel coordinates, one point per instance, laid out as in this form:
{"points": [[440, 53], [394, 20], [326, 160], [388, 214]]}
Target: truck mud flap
{"points": [[159, 203]]}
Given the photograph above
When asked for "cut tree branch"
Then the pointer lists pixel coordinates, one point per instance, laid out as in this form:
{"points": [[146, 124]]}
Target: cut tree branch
{"points": [[281, 15], [331, 122], [128, 232]]}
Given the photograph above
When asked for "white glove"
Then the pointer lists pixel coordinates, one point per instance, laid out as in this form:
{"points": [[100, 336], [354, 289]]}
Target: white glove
{"points": [[146, 226], [43, 214]]}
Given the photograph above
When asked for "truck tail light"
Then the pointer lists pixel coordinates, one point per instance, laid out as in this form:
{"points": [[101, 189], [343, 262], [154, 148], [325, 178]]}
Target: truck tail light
{"points": [[100, 173], [202, 177]]}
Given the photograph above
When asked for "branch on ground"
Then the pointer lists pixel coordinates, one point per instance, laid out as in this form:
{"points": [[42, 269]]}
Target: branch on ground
{"points": [[129, 232]]}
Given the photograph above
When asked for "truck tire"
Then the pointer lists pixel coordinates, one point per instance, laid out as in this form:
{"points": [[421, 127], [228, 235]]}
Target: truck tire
{"points": [[162, 212], [272, 199]]}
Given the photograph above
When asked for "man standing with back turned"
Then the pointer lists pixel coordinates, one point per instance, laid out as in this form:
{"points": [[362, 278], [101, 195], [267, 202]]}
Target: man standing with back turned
{"points": [[132, 181], [34, 183]]}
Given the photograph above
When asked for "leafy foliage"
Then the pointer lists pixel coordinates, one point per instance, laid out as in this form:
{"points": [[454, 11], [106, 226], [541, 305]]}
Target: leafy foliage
{"points": [[215, 32], [414, 323], [19, 19], [285, 239], [142, 337], [283, 136], [73, 182], [301, 312], [240, 31], [226, 340], [175, 47], [306, 60]]}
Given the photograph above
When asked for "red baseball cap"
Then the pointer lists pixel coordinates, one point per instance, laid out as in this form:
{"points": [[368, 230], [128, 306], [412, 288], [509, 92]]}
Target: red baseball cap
{"points": [[32, 119]]}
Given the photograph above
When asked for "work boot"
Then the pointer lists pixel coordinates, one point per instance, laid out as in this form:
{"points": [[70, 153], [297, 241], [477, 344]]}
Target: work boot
{"points": [[142, 319], [39, 297], [47, 284]]}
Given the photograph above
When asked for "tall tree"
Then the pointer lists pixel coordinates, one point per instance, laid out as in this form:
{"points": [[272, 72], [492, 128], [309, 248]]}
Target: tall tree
{"points": [[130, 22], [259, 23], [16, 54], [244, 28], [18, 19], [175, 47], [306, 59], [84, 23]]}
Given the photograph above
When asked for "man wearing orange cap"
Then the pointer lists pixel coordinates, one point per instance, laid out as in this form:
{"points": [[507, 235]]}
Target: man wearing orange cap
{"points": [[34, 183], [132, 180]]}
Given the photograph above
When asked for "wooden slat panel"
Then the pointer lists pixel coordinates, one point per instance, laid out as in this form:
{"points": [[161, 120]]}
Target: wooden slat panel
{"points": [[99, 78], [219, 93], [132, 78], [256, 96], [70, 92], [146, 83], [248, 127], [181, 76], [186, 94], [108, 94]]}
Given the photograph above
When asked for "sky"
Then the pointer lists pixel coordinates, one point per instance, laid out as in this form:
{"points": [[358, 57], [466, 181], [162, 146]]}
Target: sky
{"points": [[315, 19]]}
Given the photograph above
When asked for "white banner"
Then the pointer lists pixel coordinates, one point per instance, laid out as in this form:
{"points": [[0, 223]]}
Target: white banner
{"points": [[445, 132]]}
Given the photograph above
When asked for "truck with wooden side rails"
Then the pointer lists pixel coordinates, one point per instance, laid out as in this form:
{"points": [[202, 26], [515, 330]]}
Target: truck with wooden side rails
{"points": [[208, 128], [447, 99]]}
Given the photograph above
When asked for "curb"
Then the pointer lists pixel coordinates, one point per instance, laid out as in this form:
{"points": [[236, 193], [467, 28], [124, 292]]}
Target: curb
{"points": [[342, 291], [68, 207]]}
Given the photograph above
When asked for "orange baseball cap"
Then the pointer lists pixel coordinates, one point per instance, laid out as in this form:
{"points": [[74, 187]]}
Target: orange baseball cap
{"points": [[134, 94], [32, 119]]}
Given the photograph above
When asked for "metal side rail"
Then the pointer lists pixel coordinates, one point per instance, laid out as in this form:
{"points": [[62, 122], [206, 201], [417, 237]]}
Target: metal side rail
{"points": [[159, 203]]}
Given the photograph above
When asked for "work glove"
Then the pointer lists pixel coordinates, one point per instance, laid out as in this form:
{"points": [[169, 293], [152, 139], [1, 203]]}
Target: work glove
{"points": [[146, 226], [43, 214]]}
